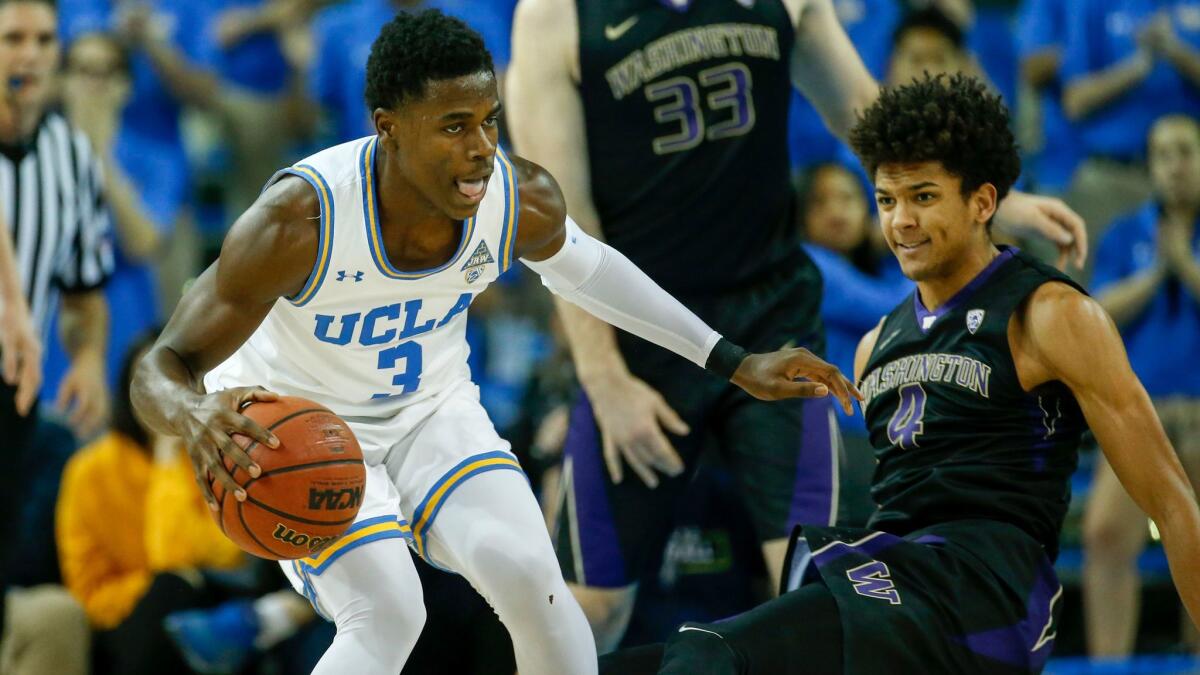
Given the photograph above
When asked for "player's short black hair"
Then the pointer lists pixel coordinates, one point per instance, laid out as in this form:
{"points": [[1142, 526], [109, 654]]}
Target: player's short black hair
{"points": [[955, 121], [930, 18], [414, 49]]}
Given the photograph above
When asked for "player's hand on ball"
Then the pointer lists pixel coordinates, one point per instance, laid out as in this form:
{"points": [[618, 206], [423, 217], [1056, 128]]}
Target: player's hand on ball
{"points": [[208, 429], [631, 417], [794, 373]]}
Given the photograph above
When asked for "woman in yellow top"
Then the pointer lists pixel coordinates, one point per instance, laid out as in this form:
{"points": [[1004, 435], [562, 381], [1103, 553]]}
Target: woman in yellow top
{"points": [[133, 533]]}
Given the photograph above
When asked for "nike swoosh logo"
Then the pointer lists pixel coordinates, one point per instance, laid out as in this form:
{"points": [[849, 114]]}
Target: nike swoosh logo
{"points": [[615, 32], [701, 630], [891, 336]]}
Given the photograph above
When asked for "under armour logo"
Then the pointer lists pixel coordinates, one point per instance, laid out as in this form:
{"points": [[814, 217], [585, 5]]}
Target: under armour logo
{"points": [[357, 276]]}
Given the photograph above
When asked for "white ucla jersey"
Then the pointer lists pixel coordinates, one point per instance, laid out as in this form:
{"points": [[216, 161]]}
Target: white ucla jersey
{"points": [[363, 337]]}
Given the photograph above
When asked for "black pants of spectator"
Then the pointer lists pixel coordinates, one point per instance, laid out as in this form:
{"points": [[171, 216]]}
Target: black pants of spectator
{"points": [[798, 633], [16, 439], [140, 645]]}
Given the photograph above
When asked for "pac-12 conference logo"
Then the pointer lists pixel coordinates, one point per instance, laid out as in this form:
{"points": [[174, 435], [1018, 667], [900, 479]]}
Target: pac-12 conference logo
{"points": [[974, 320]]}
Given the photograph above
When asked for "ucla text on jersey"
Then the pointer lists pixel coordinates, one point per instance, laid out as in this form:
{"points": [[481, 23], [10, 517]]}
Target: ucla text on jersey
{"points": [[362, 334]]}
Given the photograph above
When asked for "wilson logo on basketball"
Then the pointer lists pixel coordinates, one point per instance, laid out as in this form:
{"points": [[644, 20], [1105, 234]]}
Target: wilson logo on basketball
{"points": [[335, 500], [289, 536]]}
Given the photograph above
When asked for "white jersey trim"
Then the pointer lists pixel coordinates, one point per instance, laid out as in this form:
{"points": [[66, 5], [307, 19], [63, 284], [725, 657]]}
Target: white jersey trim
{"points": [[367, 170], [325, 233]]}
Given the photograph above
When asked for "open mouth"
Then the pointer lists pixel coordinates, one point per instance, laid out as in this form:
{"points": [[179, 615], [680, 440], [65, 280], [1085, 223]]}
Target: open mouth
{"points": [[472, 188]]}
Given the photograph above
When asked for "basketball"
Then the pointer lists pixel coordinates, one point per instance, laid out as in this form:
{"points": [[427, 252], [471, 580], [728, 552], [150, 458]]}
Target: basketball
{"points": [[310, 488]]}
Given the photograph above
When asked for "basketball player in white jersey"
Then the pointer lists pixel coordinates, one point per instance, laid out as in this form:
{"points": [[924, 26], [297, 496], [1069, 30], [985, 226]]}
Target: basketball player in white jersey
{"points": [[347, 282]]}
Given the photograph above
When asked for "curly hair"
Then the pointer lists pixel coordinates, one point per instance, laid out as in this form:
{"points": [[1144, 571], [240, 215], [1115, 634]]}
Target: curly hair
{"points": [[956, 122], [414, 49]]}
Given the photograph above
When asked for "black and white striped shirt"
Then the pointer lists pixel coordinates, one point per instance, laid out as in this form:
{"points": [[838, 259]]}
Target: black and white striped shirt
{"points": [[53, 206]]}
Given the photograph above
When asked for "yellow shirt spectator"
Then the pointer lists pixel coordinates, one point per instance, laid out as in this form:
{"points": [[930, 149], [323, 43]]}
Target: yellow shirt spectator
{"points": [[124, 516]]}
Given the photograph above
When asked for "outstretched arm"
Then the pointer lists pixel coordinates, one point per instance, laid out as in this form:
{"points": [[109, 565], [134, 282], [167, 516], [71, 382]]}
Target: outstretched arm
{"points": [[1063, 335], [599, 279]]}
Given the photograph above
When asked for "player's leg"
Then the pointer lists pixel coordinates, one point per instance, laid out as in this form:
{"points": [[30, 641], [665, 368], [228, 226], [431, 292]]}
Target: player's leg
{"points": [[633, 660], [785, 456], [365, 583], [784, 453], [798, 632], [373, 596], [1114, 533], [487, 526], [606, 531]]}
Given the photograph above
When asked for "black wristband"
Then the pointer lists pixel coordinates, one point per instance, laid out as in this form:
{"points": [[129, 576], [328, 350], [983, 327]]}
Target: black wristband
{"points": [[725, 358]]}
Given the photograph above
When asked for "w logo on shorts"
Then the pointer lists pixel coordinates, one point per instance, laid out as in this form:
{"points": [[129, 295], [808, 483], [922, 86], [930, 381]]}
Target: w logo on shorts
{"points": [[874, 580]]}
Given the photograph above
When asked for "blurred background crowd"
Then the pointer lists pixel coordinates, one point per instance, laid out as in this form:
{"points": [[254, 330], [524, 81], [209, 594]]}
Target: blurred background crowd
{"points": [[190, 106]]}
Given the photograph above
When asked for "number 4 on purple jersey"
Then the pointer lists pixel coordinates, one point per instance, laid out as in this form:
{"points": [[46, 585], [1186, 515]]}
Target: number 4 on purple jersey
{"points": [[907, 422]]}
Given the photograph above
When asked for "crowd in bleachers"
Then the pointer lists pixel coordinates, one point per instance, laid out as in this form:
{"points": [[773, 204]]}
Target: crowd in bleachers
{"points": [[191, 106]]}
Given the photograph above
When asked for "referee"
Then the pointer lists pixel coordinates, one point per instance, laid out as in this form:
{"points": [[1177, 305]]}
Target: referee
{"points": [[54, 213]]}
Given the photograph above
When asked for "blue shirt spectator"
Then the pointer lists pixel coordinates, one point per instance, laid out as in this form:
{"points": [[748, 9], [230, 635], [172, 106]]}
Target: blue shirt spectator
{"points": [[1043, 27], [255, 61], [993, 41], [343, 35], [1102, 34], [152, 110], [1170, 317]]}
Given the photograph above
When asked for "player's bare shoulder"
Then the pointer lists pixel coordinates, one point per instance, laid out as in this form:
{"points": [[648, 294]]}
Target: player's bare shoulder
{"points": [[543, 211], [270, 250], [1051, 329]]}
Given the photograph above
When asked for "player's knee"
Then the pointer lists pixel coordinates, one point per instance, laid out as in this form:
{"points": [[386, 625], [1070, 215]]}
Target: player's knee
{"points": [[396, 613], [1112, 541], [692, 650], [509, 572]]}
